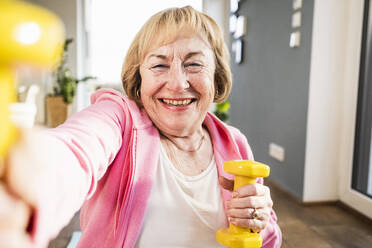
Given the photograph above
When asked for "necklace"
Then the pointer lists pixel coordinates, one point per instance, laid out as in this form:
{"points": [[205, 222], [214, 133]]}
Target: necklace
{"points": [[185, 150]]}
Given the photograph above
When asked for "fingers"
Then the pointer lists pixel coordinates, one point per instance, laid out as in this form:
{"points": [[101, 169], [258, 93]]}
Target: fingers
{"points": [[2, 167], [226, 183], [24, 166], [255, 219], [251, 189], [251, 195], [247, 202], [13, 239], [14, 214], [248, 213], [250, 206], [14, 217], [256, 225]]}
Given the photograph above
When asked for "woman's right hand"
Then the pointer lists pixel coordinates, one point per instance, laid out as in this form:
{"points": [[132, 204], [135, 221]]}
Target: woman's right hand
{"points": [[17, 191], [14, 218]]}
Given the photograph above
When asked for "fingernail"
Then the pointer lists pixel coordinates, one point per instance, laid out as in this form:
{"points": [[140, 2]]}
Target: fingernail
{"points": [[235, 194]]}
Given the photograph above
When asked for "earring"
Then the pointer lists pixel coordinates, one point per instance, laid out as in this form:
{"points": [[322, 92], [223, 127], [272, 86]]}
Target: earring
{"points": [[137, 93]]}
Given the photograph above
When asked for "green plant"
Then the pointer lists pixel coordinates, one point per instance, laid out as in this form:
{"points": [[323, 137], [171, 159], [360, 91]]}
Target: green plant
{"points": [[65, 82], [222, 110]]}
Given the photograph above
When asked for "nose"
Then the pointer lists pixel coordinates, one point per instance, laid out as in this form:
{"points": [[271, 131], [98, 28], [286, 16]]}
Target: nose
{"points": [[177, 78]]}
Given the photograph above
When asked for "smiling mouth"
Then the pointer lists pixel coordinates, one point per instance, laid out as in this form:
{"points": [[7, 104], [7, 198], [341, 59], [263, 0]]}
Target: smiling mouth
{"points": [[172, 102]]}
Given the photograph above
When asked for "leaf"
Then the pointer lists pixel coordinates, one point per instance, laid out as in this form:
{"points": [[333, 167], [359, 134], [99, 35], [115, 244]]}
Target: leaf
{"points": [[223, 107], [65, 83], [85, 79]]}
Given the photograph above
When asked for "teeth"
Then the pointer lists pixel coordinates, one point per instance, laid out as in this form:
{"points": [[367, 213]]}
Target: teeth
{"points": [[177, 103]]}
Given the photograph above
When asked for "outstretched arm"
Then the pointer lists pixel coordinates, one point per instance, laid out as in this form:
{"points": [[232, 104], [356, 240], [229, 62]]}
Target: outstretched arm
{"points": [[55, 170]]}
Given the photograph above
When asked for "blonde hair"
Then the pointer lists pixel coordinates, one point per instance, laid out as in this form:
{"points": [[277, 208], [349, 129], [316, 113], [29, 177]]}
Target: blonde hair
{"points": [[162, 28]]}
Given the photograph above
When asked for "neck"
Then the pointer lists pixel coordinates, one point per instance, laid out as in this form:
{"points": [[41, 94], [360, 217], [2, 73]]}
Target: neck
{"points": [[188, 143]]}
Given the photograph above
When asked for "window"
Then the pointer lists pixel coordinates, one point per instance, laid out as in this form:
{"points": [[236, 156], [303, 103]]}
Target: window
{"points": [[362, 167], [111, 27]]}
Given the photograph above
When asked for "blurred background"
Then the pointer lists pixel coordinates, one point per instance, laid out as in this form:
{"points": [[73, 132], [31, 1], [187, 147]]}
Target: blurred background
{"points": [[302, 94]]}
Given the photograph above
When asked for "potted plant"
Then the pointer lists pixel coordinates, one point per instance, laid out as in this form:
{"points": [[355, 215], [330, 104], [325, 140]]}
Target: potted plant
{"points": [[59, 102], [222, 110]]}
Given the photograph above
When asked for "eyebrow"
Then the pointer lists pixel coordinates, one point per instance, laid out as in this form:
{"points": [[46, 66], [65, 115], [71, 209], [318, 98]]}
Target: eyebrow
{"points": [[191, 54], [164, 57], [160, 56]]}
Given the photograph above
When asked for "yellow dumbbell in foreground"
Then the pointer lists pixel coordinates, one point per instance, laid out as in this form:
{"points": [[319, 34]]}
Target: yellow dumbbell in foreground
{"points": [[246, 172], [30, 35]]}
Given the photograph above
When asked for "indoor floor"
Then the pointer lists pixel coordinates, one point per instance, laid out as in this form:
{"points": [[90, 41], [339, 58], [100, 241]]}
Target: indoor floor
{"points": [[328, 225]]}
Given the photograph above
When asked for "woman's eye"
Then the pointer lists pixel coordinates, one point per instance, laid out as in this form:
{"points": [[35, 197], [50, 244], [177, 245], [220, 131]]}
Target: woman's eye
{"points": [[159, 66], [193, 67]]}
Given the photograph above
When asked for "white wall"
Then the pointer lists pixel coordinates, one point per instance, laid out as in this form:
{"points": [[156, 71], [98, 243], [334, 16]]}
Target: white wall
{"points": [[67, 11], [219, 10], [336, 37]]}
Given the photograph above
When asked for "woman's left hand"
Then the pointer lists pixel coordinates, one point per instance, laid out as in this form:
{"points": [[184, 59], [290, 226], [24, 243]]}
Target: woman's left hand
{"points": [[250, 205]]}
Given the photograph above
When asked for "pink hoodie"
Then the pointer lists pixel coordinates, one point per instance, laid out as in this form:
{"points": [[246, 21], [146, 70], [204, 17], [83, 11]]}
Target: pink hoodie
{"points": [[113, 150]]}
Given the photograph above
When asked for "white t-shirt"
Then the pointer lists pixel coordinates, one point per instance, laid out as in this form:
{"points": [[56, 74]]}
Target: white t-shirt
{"points": [[182, 211]]}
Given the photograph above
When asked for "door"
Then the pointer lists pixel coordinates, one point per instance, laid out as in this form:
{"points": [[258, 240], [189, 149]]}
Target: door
{"points": [[362, 162], [356, 155]]}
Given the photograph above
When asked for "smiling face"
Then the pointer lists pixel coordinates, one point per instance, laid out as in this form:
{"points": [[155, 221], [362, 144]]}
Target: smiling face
{"points": [[177, 86]]}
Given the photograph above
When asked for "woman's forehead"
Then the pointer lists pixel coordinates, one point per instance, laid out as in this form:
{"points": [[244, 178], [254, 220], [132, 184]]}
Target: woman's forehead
{"points": [[181, 44], [165, 34]]}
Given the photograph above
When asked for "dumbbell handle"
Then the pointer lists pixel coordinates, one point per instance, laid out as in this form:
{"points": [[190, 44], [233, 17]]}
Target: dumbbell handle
{"points": [[8, 133], [240, 181]]}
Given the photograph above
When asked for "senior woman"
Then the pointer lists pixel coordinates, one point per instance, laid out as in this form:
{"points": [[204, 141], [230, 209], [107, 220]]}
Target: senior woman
{"points": [[148, 168]]}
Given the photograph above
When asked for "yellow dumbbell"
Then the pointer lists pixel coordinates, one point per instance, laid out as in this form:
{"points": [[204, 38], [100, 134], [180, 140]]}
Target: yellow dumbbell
{"points": [[29, 35], [246, 172]]}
